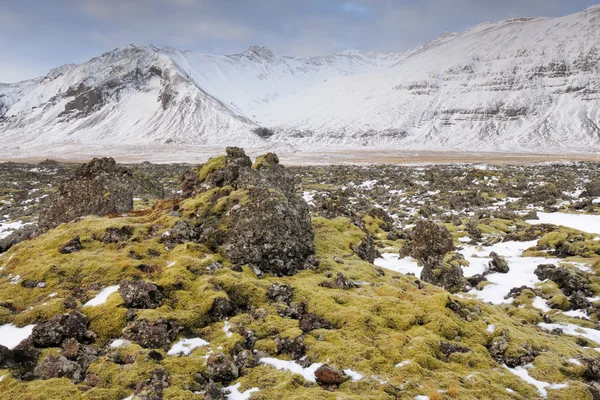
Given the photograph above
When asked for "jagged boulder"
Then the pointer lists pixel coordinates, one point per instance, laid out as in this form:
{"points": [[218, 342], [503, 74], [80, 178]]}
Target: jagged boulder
{"points": [[61, 327], [140, 294], [151, 334], [221, 368], [498, 264], [58, 367], [569, 280], [310, 322], [99, 187]]}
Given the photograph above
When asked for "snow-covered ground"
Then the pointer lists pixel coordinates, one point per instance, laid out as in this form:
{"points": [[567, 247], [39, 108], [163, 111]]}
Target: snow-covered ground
{"points": [[523, 373], [583, 222], [184, 347], [11, 336], [102, 297]]}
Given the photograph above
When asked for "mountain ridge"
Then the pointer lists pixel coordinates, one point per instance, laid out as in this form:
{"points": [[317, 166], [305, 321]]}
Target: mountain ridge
{"points": [[524, 84]]}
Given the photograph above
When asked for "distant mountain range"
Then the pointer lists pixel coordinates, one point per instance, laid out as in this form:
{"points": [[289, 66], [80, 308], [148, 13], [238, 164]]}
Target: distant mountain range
{"points": [[525, 85]]}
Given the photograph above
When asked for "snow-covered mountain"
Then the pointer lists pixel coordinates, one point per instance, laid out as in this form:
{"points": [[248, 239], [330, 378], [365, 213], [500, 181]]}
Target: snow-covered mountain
{"points": [[523, 85], [528, 84], [144, 94]]}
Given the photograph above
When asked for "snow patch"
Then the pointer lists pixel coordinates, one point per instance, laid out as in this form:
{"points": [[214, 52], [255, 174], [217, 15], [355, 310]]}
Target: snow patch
{"points": [[102, 297], [184, 347], [11, 336]]}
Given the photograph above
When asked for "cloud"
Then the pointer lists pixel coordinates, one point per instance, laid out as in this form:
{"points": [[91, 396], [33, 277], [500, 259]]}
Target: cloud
{"points": [[38, 30]]}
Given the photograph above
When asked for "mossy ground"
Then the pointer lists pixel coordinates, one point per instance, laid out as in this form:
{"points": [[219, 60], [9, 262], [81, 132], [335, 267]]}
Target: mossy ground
{"points": [[386, 321]]}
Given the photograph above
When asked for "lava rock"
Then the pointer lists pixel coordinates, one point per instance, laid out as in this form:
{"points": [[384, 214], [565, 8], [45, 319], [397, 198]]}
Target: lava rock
{"points": [[151, 334], [447, 276], [115, 235], [280, 293], [569, 280], [310, 322], [99, 187], [140, 294], [339, 282], [293, 346], [220, 368], [498, 264], [58, 367], [245, 360], [221, 309], [152, 389], [61, 327], [71, 246]]}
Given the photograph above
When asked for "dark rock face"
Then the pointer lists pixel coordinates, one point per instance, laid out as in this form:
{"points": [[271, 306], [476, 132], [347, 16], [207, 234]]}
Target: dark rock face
{"points": [[212, 392], [310, 322], [592, 189], [71, 246], [245, 360], [270, 230], [273, 232], [58, 367], [328, 375], [498, 264], [429, 241], [220, 368], [97, 188], [429, 244], [151, 335], [140, 294], [61, 327], [280, 293], [568, 280]]}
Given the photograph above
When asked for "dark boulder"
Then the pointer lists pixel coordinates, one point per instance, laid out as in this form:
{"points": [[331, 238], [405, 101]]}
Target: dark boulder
{"points": [[140, 294], [220, 368], [99, 187], [17, 237], [569, 280], [339, 282], [328, 375], [58, 367], [498, 264], [115, 235], [153, 388], [292, 346], [280, 292], [221, 309], [61, 327], [310, 322], [151, 334]]}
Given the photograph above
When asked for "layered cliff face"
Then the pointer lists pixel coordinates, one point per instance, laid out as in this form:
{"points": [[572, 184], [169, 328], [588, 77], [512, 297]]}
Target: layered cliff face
{"points": [[524, 84]]}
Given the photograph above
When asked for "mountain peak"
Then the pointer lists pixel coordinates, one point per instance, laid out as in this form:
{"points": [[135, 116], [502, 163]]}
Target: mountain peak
{"points": [[260, 51]]}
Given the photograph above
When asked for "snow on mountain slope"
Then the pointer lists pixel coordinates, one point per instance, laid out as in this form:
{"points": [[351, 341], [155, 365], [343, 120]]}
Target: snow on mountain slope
{"points": [[141, 95], [523, 85]]}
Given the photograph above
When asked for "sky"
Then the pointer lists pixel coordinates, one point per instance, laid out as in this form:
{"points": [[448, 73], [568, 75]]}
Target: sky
{"points": [[38, 35]]}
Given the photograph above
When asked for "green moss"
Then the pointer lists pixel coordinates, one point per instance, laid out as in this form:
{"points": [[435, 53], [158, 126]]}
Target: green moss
{"points": [[212, 165]]}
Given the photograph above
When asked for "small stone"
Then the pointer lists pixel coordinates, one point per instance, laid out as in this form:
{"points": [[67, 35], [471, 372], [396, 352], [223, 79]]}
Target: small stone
{"points": [[328, 375], [71, 246]]}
